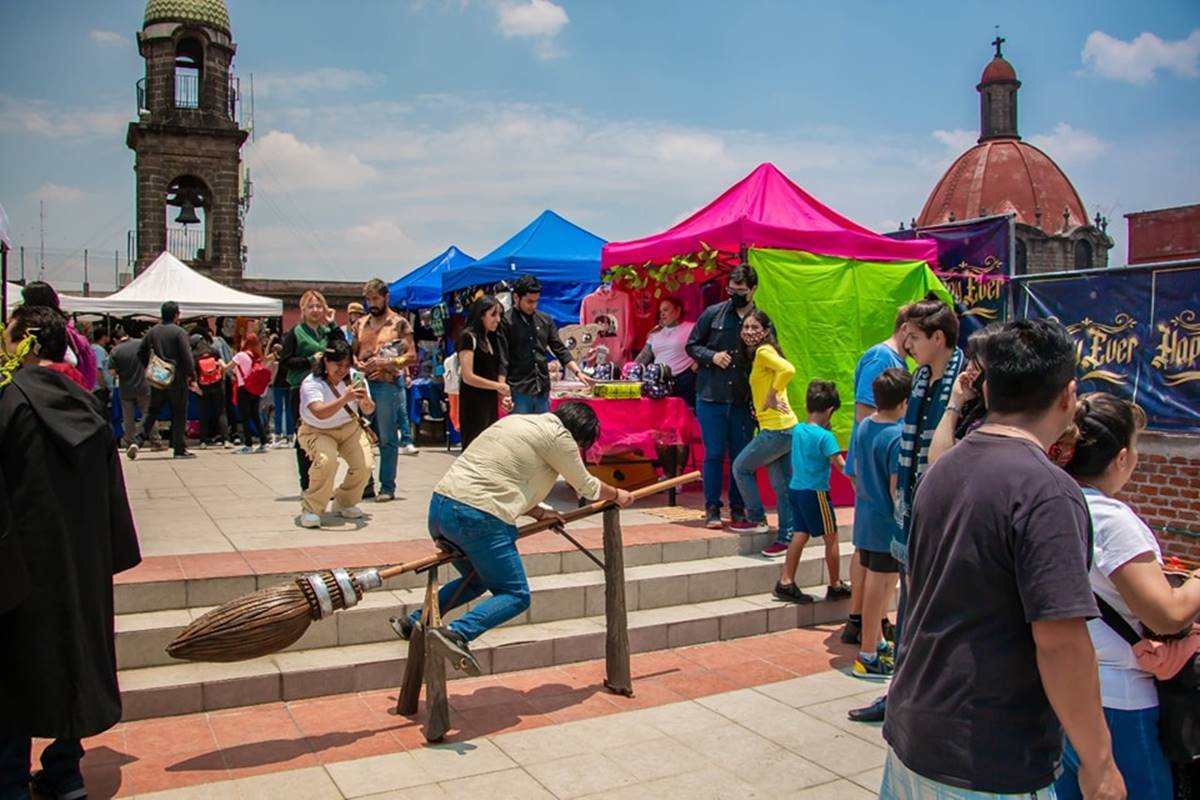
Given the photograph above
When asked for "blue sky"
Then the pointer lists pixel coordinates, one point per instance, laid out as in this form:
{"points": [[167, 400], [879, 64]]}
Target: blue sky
{"points": [[385, 131]]}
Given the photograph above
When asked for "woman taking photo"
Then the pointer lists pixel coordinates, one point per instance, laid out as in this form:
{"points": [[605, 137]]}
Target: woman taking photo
{"points": [[332, 425], [1126, 574], [770, 375], [479, 362]]}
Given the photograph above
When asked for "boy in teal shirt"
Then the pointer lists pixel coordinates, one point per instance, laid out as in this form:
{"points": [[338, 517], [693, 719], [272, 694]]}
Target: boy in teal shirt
{"points": [[813, 450]]}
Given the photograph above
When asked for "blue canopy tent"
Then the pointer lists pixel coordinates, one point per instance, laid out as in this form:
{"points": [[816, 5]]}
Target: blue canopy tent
{"points": [[563, 256], [422, 287]]}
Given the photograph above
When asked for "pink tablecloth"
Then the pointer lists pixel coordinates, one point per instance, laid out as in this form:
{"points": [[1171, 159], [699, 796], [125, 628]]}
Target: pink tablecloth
{"points": [[637, 425]]}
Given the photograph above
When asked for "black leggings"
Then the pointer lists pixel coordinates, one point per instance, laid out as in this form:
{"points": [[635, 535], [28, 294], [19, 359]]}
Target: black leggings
{"points": [[250, 410], [303, 462]]}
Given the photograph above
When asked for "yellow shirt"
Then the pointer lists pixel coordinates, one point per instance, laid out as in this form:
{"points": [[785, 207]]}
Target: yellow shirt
{"points": [[771, 370], [513, 465]]}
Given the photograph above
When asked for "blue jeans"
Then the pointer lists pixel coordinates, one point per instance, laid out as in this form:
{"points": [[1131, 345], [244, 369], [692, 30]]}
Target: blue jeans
{"points": [[1136, 750], [492, 565], [725, 429], [530, 403], [391, 426], [285, 423], [773, 450], [60, 765]]}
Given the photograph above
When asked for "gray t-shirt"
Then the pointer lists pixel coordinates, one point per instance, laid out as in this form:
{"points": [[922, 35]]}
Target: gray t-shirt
{"points": [[1000, 539], [131, 372]]}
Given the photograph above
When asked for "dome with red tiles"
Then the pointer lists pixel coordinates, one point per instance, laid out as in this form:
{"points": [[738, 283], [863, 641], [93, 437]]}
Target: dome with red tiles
{"points": [[999, 176], [998, 69]]}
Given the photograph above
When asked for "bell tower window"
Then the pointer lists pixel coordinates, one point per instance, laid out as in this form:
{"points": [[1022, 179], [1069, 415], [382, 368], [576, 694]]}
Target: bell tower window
{"points": [[189, 73]]}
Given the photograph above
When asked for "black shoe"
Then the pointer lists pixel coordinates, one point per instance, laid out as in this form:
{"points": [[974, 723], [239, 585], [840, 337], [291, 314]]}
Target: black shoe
{"points": [[852, 633], [185, 454], [737, 515], [454, 647], [839, 592], [872, 713], [403, 626], [791, 591], [887, 629], [40, 785], [712, 518]]}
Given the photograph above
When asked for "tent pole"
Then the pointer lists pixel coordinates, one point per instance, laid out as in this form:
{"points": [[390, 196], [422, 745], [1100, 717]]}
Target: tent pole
{"points": [[4, 288]]}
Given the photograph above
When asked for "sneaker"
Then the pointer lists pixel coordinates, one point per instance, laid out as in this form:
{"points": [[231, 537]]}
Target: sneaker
{"points": [[454, 647], [839, 592], [185, 454], [775, 549], [131, 452], [712, 518], [852, 633], [262, 448], [871, 667], [74, 791], [310, 520], [385, 497], [403, 626], [791, 592], [227, 445], [202, 446], [737, 514], [350, 512], [410, 450], [746, 526], [888, 629], [241, 451]]}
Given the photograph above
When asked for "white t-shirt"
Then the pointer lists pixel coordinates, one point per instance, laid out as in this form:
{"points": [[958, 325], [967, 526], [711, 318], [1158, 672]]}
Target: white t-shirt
{"points": [[668, 346], [1120, 536], [317, 390]]}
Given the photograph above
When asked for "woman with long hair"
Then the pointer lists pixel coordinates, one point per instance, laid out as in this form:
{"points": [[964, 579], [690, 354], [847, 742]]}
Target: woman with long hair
{"points": [[667, 344], [299, 354], [770, 374], [249, 405], [79, 352], [483, 386], [1126, 574]]}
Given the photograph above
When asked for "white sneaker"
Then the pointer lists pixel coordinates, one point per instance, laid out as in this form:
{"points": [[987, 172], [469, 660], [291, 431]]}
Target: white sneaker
{"points": [[410, 450], [310, 520], [350, 512], [131, 452], [262, 448], [242, 450], [385, 497], [202, 446]]}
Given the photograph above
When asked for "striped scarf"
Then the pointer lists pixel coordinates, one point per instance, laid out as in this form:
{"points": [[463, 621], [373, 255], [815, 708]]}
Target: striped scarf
{"points": [[921, 420]]}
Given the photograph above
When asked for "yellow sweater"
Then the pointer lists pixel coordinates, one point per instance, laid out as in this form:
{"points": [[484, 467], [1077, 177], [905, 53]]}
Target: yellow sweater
{"points": [[771, 370]]}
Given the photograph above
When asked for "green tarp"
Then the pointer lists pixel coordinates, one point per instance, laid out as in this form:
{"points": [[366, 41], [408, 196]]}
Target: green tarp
{"points": [[828, 310]]}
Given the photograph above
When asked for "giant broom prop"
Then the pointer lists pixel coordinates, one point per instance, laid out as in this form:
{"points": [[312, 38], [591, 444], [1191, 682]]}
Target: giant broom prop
{"points": [[271, 619]]}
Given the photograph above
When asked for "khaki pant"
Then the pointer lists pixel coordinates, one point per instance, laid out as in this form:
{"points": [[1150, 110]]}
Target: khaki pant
{"points": [[323, 446]]}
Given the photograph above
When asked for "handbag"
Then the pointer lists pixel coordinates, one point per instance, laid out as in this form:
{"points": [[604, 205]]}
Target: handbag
{"points": [[1178, 697], [160, 373], [372, 437]]}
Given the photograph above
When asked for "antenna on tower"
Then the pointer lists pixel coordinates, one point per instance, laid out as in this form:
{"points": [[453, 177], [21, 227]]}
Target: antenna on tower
{"points": [[252, 106]]}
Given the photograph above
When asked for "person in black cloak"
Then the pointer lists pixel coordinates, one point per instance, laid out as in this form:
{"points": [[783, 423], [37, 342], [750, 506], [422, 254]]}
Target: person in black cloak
{"points": [[69, 531]]}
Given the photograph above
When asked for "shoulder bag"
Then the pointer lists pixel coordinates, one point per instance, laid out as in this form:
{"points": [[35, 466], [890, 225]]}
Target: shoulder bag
{"points": [[372, 437]]}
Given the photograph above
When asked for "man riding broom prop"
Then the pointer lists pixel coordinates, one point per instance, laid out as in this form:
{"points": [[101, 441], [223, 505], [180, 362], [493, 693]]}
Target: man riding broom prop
{"points": [[506, 473]]}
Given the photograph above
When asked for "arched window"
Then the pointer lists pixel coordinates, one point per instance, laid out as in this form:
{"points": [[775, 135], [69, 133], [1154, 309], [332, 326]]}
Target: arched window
{"points": [[188, 202], [189, 67], [1022, 265], [1083, 254]]}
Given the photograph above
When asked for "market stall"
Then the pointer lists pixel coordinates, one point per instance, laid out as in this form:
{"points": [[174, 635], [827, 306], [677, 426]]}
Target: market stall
{"points": [[563, 256], [421, 287]]}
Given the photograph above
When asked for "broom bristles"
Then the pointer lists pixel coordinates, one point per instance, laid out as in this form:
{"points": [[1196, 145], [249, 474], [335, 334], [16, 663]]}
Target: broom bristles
{"points": [[256, 625]]}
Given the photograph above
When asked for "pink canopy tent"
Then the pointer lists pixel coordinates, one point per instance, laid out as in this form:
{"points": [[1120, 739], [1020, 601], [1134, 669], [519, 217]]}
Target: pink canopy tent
{"points": [[765, 209]]}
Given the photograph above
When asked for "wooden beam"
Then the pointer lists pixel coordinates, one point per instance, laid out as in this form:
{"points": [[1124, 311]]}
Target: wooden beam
{"points": [[618, 677]]}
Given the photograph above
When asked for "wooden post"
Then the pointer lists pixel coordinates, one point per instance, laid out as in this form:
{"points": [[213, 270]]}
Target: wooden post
{"points": [[437, 704], [414, 668], [618, 678]]}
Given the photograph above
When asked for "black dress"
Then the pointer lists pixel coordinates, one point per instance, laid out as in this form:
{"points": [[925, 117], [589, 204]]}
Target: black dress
{"points": [[478, 408]]}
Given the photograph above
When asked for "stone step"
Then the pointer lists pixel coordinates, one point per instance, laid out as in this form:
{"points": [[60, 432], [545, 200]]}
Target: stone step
{"points": [[215, 589], [184, 688], [143, 637]]}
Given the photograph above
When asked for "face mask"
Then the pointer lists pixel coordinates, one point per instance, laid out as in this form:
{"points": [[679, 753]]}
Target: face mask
{"points": [[753, 339], [739, 299]]}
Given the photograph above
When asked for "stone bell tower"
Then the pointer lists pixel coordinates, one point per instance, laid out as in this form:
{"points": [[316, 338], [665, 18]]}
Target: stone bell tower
{"points": [[187, 140]]}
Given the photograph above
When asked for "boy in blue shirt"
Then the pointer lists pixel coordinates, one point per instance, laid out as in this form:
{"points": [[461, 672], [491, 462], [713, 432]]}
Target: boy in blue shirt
{"points": [[813, 450], [877, 458]]}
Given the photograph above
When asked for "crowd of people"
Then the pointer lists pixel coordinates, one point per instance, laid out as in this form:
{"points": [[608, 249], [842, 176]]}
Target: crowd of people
{"points": [[1036, 625]]}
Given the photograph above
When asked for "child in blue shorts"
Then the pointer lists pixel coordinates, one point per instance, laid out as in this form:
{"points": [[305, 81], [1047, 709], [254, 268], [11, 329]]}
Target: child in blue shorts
{"points": [[813, 450], [876, 459]]}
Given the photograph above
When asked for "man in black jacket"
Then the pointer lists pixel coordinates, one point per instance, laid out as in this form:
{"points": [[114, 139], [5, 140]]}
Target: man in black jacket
{"points": [[723, 392], [528, 336], [170, 342]]}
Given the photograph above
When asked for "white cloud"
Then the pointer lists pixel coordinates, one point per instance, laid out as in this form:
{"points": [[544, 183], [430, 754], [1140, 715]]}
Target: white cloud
{"points": [[1067, 145], [956, 140], [39, 117], [1137, 60], [289, 164], [56, 193], [540, 20], [695, 148], [326, 79], [108, 38]]}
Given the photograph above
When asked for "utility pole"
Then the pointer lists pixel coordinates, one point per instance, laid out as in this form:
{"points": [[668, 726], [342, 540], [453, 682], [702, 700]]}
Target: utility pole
{"points": [[85, 280], [116, 270], [42, 231]]}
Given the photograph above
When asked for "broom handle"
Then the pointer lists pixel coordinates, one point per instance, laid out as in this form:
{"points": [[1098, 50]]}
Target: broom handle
{"points": [[544, 525]]}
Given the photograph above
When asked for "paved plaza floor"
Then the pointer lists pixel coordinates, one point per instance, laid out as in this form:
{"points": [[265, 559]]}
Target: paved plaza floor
{"points": [[753, 716]]}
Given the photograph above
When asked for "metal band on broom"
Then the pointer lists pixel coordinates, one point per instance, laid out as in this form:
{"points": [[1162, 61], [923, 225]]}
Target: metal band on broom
{"points": [[271, 619]]}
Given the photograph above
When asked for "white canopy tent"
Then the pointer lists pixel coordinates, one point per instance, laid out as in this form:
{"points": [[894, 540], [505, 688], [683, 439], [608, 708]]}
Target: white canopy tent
{"points": [[168, 278], [14, 295]]}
